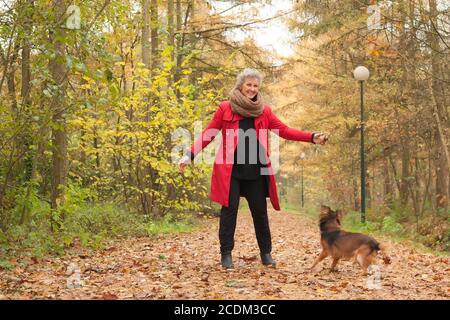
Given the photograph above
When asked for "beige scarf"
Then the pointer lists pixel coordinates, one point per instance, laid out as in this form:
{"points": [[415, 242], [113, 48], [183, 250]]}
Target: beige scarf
{"points": [[244, 106]]}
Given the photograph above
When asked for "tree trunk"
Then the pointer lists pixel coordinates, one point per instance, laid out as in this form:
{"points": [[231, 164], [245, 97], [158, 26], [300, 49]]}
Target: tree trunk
{"points": [[356, 197], [442, 159], [369, 190], [154, 24], [388, 190], [11, 81], [192, 23], [26, 51], [59, 135], [404, 44], [170, 27], [146, 33], [404, 182], [179, 46], [29, 164]]}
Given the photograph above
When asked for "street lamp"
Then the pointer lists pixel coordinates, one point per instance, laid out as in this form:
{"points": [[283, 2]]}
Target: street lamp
{"points": [[302, 157], [361, 74]]}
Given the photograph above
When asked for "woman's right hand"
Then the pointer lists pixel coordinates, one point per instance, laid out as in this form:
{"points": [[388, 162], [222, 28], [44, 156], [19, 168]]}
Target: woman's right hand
{"points": [[320, 138], [183, 162]]}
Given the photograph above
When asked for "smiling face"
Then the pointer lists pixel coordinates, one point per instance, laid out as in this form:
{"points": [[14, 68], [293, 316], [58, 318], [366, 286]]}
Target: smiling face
{"points": [[250, 87]]}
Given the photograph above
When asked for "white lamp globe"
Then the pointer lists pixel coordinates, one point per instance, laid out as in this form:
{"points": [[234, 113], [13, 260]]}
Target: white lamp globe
{"points": [[361, 73]]}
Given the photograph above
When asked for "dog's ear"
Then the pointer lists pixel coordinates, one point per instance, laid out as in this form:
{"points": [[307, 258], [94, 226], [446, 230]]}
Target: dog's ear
{"points": [[324, 209], [324, 212], [339, 216]]}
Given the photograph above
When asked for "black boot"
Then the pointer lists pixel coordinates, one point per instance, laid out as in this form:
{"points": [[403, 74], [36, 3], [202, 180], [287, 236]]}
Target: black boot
{"points": [[267, 260], [227, 261]]}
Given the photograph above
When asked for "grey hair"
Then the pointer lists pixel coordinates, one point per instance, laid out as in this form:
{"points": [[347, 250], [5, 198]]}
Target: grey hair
{"points": [[245, 74]]}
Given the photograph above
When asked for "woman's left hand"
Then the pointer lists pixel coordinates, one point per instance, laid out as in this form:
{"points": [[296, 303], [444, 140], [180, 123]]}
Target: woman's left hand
{"points": [[183, 162], [320, 138]]}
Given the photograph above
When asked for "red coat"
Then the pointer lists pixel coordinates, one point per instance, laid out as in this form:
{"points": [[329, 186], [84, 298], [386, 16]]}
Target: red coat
{"points": [[225, 119]]}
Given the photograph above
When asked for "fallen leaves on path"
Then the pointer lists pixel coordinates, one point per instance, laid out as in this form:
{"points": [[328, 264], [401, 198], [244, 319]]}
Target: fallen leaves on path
{"points": [[187, 266]]}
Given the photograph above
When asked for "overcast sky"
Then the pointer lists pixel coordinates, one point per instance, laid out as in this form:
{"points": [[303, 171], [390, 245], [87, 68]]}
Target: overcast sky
{"points": [[272, 34]]}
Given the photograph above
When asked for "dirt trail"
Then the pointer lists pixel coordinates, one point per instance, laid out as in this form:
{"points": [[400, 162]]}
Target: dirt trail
{"points": [[187, 266]]}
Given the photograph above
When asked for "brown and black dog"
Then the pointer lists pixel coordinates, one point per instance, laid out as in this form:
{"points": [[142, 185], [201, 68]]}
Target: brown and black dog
{"points": [[344, 245]]}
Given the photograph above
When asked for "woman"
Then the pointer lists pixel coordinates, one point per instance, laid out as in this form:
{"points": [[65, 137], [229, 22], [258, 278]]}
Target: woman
{"points": [[242, 166]]}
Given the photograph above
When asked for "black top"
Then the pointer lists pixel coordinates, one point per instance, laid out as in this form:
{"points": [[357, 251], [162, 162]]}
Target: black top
{"points": [[247, 163]]}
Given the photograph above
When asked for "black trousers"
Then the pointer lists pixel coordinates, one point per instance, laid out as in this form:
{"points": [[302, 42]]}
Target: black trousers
{"points": [[255, 192]]}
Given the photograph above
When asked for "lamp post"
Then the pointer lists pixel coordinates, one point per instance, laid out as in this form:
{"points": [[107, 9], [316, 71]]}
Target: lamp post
{"points": [[361, 74], [302, 157]]}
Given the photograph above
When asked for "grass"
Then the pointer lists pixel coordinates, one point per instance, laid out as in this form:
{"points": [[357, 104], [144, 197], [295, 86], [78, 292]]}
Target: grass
{"points": [[89, 224], [168, 226]]}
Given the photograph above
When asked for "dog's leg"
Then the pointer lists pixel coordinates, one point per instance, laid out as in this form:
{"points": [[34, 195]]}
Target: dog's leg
{"points": [[333, 265], [360, 259], [367, 261], [322, 256], [365, 264]]}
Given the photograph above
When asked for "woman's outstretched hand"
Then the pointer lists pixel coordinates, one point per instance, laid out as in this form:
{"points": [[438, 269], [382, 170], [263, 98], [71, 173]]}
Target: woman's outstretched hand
{"points": [[320, 138], [183, 162]]}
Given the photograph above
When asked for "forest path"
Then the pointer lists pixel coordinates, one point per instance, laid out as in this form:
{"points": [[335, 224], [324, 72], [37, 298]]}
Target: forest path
{"points": [[186, 266]]}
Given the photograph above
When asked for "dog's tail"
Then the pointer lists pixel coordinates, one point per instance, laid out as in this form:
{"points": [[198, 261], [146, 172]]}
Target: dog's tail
{"points": [[383, 251]]}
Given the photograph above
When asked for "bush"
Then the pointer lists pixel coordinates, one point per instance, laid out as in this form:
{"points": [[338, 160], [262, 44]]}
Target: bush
{"points": [[80, 219], [391, 226], [352, 222]]}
